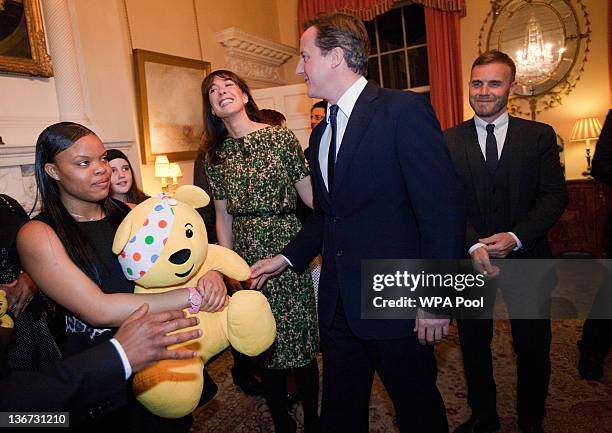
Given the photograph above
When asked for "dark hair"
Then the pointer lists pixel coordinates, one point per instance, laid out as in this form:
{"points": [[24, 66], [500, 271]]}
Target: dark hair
{"points": [[134, 194], [214, 130], [52, 141], [494, 56], [272, 117], [319, 104], [344, 31]]}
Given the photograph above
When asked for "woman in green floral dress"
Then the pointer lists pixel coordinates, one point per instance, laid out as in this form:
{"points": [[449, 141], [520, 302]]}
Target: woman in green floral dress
{"points": [[255, 172]]}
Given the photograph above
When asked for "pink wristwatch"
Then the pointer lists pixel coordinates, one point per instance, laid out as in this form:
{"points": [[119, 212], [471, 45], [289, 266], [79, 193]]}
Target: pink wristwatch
{"points": [[195, 299]]}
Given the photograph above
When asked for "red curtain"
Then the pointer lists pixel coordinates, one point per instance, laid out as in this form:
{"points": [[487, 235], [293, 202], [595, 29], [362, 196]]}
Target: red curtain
{"points": [[444, 58], [366, 9], [363, 9]]}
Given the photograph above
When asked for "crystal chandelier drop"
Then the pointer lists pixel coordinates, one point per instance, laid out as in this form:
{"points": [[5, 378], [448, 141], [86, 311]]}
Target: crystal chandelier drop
{"points": [[536, 61]]}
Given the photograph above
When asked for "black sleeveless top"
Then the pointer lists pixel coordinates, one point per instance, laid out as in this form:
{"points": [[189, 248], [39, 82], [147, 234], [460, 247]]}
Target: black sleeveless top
{"points": [[12, 217], [79, 334]]}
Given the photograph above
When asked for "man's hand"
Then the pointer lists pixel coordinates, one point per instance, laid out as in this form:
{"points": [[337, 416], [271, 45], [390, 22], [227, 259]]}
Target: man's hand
{"points": [[214, 293], [266, 268], [144, 336], [19, 293], [499, 245], [430, 328], [482, 263]]}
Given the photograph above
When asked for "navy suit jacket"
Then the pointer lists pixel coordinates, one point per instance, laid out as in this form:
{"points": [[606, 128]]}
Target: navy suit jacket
{"points": [[88, 385], [396, 195], [538, 194]]}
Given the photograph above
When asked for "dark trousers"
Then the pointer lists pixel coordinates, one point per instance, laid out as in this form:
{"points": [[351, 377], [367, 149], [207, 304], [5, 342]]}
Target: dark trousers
{"points": [[597, 331], [596, 338], [531, 343], [244, 366], [407, 369], [275, 388]]}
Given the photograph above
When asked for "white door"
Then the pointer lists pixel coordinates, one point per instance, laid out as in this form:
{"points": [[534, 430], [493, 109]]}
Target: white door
{"points": [[293, 102]]}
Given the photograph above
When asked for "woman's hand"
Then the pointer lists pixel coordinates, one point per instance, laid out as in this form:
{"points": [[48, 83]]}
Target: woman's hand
{"points": [[19, 293], [266, 268]]}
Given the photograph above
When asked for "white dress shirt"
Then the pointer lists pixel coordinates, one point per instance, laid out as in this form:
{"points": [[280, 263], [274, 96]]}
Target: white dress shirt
{"points": [[346, 103], [501, 128], [127, 368], [500, 131]]}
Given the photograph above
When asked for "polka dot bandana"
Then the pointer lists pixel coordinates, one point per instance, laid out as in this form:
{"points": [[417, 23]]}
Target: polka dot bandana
{"points": [[144, 248]]}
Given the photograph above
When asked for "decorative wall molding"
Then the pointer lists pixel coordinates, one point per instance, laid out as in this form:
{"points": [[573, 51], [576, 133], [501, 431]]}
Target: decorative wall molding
{"points": [[19, 154], [256, 59], [68, 82], [17, 171], [19, 135]]}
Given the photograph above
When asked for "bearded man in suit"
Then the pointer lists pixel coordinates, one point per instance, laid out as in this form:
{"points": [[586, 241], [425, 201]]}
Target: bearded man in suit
{"points": [[515, 193]]}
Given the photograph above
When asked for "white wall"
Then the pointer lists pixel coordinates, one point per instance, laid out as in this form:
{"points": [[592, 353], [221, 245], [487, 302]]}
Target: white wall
{"points": [[293, 102], [105, 32]]}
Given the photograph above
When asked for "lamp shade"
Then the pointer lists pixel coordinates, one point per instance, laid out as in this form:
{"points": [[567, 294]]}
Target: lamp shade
{"points": [[586, 129], [162, 166], [175, 170]]}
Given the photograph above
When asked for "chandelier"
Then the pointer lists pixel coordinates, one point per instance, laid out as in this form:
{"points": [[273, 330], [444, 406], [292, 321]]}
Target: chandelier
{"points": [[536, 61]]}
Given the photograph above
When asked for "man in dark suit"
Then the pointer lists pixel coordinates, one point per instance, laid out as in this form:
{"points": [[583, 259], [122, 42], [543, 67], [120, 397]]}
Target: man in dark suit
{"points": [[93, 383], [384, 188], [515, 194], [597, 332]]}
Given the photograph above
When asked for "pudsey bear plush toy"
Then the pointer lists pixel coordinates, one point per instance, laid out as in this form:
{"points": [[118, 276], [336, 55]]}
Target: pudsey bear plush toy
{"points": [[5, 320], [162, 245]]}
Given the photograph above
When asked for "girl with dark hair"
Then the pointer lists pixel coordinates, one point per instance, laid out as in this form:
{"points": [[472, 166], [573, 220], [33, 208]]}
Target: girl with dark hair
{"points": [[255, 172], [123, 187], [67, 251]]}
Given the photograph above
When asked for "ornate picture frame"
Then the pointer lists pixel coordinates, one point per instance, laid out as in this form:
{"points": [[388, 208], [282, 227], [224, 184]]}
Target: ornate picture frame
{"points": [[170, 105], [560, 23], [23, 47]]}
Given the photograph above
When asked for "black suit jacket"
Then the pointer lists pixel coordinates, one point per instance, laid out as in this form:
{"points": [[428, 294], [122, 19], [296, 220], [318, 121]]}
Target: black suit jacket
{"points": [[88, 385], [396, 195], [538, 194], [602, 169]]}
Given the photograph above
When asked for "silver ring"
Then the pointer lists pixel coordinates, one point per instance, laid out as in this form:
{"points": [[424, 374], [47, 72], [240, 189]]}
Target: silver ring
{"points": [[13, 306], [484, 272]]}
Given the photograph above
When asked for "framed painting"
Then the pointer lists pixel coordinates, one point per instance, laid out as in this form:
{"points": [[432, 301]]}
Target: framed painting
{"points": [[23, 48], [170, 105]]}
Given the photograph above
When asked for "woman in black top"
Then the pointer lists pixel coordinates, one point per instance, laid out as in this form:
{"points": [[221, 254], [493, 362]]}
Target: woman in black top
{"points": [[67, 249]]}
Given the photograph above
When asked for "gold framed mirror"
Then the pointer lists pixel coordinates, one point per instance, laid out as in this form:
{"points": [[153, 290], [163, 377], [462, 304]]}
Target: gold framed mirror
{"points": [[548, 41]]}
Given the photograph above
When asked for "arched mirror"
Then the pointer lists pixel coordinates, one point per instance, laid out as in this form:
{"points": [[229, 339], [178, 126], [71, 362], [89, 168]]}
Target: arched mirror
{"points": [[547, 43]]}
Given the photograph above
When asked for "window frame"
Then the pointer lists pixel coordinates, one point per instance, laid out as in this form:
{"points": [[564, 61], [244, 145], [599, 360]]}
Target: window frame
{"points": [[378, 55]]}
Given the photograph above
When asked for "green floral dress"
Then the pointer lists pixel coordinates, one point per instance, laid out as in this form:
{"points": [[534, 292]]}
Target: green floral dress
{"points": [[257, 177]]}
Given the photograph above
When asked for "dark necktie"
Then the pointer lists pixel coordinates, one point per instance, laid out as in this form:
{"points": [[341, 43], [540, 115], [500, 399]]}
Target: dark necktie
{"points": [[331, 155], [491, 149]]}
